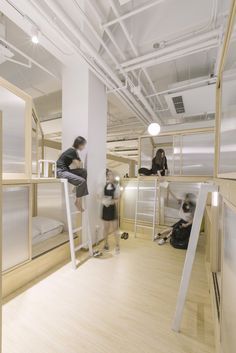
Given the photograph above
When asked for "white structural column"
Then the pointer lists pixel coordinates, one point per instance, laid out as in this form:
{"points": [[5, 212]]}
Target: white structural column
{"points": [[84, 113]]}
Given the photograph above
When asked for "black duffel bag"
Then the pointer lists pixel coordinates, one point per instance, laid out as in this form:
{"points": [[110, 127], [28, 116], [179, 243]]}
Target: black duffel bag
{"points": [[180, 237]]}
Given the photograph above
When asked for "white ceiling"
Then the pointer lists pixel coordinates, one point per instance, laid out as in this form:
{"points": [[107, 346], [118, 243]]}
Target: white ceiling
{"points": [[173, 25]]}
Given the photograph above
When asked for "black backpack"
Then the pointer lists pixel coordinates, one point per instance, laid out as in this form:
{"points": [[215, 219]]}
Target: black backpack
{"points": [[180, 237]]}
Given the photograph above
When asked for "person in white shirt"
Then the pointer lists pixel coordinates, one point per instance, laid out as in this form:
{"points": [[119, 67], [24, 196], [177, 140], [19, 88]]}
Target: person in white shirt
{"points": [[186, 213]]}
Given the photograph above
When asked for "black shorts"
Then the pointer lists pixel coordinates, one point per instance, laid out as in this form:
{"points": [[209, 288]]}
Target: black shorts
{"points": [[109, 213]]}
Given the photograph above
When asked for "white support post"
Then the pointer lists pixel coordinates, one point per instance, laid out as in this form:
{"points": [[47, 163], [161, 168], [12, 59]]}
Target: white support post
{"points": [[136, 210], [88, 230], [191, 251], [154, 210], [69, 223]]}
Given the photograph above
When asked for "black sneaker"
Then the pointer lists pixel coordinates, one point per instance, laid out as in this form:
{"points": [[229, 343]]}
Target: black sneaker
{"points": [[106, 247]]}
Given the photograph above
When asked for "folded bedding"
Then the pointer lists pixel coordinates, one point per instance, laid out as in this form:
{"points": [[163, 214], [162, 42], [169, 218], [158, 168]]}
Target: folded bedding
{"points": [[44, 228]]}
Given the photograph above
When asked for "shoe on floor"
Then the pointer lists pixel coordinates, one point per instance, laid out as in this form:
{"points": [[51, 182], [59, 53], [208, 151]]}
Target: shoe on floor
{"points": [[126, 236], [157, 236], [161, 242]]}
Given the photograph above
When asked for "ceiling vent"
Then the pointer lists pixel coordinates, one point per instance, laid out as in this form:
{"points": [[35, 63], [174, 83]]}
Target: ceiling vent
{"points": [[192, 101], [178, 104]]}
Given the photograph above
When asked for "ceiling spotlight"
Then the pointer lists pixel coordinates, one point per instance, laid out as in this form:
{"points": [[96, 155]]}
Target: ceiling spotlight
{"points": [[154, 129], [35, 35]]}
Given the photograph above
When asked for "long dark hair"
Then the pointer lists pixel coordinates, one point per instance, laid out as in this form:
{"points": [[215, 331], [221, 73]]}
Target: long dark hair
{"points": [[79, 141], [158, 158]]}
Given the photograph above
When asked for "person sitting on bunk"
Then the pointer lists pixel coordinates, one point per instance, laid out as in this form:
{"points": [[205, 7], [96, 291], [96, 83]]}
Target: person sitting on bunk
{"points": [[111, 194], [77, 176], [183, 226], [159, 165]]}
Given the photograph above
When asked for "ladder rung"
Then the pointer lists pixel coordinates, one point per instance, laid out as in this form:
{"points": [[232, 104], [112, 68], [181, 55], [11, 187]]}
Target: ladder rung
{"points": [[144, 214], [77, 248], [77, 229], [140, 225], [75, 212], [151, 201], [147, 189]]}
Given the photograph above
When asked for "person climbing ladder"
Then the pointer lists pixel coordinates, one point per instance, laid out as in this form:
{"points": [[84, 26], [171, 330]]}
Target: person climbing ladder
{"points": [[77, 176]]}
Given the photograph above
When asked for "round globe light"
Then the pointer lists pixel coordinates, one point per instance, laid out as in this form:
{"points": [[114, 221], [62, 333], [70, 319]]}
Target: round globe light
{"points": [[154, 129]]}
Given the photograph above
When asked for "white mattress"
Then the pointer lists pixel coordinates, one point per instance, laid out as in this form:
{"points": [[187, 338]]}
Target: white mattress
{"points": [[44, 228]]}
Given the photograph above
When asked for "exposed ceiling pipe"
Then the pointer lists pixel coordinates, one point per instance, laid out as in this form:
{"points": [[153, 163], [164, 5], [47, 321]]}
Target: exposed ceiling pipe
{"points": [[177, 55], [132, 13], [126, 33], [28, 65], [186, 44], [28, 58], [77, 33], [113, 40], [140, 96], [94, 68], [99, 73], [180, 88]]}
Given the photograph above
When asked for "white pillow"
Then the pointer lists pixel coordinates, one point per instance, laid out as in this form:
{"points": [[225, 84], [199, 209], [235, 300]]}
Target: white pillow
{"points": [[44, 224]]}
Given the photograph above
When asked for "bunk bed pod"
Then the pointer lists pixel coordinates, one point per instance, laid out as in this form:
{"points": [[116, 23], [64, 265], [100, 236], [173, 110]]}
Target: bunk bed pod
{"points": [[165, 202], [227, 110], [225, 159], [1, 294], [49, 224], [188, 152], [16, 107]]}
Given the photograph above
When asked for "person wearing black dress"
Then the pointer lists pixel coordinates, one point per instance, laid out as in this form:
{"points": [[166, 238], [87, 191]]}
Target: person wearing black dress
{"points": [[111, 195], [77, 176], [159, 165]]}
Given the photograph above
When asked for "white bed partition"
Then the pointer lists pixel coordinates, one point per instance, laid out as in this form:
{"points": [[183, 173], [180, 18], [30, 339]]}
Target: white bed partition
{"points": [[13, 108], [198, 154], [16, 107], [16, 214]]}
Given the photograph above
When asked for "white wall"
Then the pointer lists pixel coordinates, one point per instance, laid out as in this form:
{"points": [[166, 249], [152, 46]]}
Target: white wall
{"points": [[84, 112]]}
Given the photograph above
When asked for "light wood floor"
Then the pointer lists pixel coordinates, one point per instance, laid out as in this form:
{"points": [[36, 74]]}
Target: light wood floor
{"points": [[115, 304]]}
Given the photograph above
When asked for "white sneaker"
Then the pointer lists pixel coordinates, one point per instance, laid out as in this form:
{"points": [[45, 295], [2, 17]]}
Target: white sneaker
{"points": [[161, 242], [157, 236]]}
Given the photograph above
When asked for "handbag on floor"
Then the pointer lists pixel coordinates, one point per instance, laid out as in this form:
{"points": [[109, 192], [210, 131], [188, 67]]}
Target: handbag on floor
{"points": [[180, 237]]}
